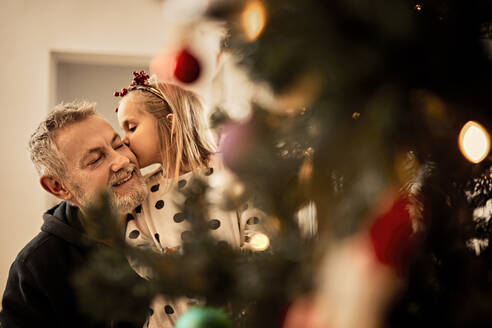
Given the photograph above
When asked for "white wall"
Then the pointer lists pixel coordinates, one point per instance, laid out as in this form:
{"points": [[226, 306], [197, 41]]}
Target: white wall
{"points": [[75, 81], [31, 30]]}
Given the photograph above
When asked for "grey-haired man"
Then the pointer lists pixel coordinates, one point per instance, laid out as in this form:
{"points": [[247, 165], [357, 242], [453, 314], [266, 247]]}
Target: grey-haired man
{"points": [[76, 153]]}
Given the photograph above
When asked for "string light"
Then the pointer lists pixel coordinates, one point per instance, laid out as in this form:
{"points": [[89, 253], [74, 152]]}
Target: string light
{"points": [[355, 115], [253, 19], [259, 242], [418, 7], [474, 142]]}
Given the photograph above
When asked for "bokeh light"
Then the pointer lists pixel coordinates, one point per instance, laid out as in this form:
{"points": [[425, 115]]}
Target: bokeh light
{"points": [[474, 142], [259, 242], [253, 19]]}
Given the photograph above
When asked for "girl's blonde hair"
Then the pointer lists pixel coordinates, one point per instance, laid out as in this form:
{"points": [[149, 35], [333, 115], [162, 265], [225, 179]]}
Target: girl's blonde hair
{"points": [[185, 142]]}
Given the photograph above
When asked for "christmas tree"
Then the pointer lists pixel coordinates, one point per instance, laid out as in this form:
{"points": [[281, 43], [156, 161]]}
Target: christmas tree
{"points": [[379, 120]]}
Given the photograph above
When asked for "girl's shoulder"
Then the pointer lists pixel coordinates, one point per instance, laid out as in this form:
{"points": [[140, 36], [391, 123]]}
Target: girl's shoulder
{"points": [[214, 164], [153, 175]]}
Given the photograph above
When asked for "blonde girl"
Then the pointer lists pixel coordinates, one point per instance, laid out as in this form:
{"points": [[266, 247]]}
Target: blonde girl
{"points": [[163, 123]]}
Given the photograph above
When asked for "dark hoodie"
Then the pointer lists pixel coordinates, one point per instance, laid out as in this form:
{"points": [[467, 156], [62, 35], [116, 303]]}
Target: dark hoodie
{"points": [[38, 291]]}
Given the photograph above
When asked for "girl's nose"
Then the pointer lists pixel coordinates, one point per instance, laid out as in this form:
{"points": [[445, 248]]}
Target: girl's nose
{"points": [[126, 141]]}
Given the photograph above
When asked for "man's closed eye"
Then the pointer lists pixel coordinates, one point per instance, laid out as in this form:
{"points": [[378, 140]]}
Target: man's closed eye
{"points": [[95, 161]]}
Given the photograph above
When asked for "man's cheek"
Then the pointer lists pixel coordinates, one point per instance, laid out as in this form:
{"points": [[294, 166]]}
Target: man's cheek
{"points": [[129, 154], [101, 180]]}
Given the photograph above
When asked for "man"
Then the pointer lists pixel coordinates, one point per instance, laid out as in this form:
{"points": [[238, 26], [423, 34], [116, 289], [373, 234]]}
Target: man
{"points": [[76, 153]]}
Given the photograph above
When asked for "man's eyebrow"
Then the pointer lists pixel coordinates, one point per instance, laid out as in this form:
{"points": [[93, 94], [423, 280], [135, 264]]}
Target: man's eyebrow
{"points": [[116, 136]]}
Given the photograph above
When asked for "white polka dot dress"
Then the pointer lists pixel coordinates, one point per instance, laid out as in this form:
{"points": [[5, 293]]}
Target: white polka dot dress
{"points": [[160, 225]]}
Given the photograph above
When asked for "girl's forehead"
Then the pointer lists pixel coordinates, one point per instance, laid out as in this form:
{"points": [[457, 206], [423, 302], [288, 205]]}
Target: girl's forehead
{"points": [[131, 107]]}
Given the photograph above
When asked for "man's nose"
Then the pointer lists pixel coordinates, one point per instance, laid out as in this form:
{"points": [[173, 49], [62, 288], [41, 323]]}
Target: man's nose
{"points": [[119, 162]]}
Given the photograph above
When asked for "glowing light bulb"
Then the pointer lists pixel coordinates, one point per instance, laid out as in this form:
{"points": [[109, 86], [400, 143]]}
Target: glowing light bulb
{"points": [[253, 19], [418, 7], [474, 142], [259, 242]]}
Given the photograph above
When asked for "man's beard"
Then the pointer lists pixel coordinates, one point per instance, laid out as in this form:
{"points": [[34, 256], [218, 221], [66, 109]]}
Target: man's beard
{"points": [[122, 203]]}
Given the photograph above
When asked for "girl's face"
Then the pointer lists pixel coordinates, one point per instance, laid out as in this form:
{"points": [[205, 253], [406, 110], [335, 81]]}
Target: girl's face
{"points": [[140, 130]]}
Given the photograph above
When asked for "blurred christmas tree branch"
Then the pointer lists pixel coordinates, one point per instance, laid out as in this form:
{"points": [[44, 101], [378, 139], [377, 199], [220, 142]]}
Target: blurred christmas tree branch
{"points": [[375, 95]]}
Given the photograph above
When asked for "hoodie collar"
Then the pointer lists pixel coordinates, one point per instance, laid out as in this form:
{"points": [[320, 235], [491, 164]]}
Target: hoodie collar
{"points": [[62, 221]]}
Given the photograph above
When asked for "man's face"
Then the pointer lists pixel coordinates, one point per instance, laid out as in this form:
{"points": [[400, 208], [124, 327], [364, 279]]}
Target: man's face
{"points": [[95, 158]]}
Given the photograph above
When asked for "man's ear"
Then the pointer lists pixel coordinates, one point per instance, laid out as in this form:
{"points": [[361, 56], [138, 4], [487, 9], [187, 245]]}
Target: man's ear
{"points": [[55, 187]]}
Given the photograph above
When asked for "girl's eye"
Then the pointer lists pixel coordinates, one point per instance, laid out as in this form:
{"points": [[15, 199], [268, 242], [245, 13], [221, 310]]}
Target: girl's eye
{"points": [[132, 127]]}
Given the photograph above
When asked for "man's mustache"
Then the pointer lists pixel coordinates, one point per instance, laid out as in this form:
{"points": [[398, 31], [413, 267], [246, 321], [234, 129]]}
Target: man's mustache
{"points": [[122, 174]]}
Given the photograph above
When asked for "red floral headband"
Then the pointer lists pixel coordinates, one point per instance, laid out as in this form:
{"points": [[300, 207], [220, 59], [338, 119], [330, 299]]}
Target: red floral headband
{"points": [[140, 82]]}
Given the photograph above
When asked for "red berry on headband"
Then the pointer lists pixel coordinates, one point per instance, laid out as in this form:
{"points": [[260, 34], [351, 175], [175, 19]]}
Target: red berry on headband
{"points": [[116, 110], [116, 94]]}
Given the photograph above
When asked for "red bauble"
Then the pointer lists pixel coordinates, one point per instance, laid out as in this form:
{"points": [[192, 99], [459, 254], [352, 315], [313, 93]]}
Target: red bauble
{"points": [[187, 67], [392, 236]]}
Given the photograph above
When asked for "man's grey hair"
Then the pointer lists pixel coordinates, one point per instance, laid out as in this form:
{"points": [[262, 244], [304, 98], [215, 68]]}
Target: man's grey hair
{"points": [[44, 153]]}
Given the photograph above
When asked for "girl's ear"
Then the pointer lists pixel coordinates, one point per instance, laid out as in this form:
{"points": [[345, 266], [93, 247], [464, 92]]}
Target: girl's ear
{"points": [[55, 187], [170, 119]]}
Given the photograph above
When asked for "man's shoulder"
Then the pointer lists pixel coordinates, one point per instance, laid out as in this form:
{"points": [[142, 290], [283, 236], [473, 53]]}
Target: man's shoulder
{"points": [[36, 246], [41, 250]]}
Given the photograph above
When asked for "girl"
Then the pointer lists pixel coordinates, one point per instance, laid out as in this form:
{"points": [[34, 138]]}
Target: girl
{"points": [[164, 123]]}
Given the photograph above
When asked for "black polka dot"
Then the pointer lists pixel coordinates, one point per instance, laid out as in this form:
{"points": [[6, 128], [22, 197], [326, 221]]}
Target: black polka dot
{"points": [[138, 209], [159, 204], [129, 217], [181, 183], [151, 312], [154, 188], [179, 217], [168, 309], [213, 224], [253, 220], [209, 171], [157, 237], [134, 234], [186, 236]]}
